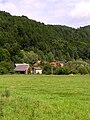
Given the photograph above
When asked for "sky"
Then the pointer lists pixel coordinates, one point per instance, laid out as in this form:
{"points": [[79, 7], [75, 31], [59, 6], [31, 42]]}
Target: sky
{"points": [[72, 13]]}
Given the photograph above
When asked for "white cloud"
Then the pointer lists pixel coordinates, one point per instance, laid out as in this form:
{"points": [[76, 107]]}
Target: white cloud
{"points": [[81, 10], [7, 6]]}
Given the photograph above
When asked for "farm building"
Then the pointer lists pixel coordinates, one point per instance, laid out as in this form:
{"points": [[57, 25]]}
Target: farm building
{"points": [[36, 70], [22, 68]]}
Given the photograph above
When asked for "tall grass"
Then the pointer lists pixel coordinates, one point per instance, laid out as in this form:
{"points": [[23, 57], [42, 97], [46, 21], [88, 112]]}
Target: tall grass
{"points": [[41, 97]]}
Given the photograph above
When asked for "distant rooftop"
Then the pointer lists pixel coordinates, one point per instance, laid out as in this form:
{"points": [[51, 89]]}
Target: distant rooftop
{"points": [[21, 67]]}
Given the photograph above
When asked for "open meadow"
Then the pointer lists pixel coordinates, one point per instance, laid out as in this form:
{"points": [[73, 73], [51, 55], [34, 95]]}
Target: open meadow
{"points": [[44, 97]]}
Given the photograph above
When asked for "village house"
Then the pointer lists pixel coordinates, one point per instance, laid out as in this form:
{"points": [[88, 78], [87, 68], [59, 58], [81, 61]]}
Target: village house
{"points": [[22, 68], [36, 70], [54, 64]]}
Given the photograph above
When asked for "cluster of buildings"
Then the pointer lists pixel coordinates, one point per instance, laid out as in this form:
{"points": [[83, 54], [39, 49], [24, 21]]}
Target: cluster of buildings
{"points": [[25, 68]]}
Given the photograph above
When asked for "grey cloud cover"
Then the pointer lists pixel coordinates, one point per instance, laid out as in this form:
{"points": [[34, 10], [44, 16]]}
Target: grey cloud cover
{"points": [[74, 13]]}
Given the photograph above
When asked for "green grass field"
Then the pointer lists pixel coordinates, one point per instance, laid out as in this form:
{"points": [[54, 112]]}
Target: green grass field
{"points": [[41, 97]]}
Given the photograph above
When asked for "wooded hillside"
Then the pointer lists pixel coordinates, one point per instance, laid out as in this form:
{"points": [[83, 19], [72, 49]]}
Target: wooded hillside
{"points": [[21, 37]]}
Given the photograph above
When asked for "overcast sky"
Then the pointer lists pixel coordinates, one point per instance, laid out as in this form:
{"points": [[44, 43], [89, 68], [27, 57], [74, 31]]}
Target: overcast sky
{"points": [[73, 13]]}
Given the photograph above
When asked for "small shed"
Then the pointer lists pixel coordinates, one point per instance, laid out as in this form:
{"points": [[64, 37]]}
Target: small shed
{"points": [[22, 68], [36, 70]]}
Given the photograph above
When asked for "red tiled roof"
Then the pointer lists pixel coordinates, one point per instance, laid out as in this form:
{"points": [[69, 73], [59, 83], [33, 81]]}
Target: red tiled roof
{"points": [[53, 63]]}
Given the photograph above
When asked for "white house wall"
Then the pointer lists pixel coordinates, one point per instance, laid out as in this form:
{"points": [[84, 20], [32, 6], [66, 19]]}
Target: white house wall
{"points": [[38, 72]]}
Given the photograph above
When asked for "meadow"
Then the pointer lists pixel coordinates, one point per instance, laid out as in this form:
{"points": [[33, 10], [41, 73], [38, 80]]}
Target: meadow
{"points": [[44, 97]]}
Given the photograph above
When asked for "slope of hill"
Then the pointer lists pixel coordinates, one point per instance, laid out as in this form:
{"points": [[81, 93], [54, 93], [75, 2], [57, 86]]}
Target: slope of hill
{"points": [[20, 35]]}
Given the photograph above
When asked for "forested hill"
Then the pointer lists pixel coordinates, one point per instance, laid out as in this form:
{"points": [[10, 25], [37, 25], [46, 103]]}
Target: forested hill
{"points": [[20, 35]]}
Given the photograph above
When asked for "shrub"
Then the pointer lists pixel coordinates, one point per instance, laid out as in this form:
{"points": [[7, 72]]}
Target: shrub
{"points": [[47, 69], [62, 70], [82, 70], [3, 70], [78, 66], [6, 67]]}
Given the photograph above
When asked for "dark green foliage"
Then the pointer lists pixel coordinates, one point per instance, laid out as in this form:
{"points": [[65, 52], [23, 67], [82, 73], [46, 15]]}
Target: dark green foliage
{"points": [[62, 70], [50, 57], [47, 69], [83, 70], [6, 67], [29, 57], [78, 66], [4, 55]]}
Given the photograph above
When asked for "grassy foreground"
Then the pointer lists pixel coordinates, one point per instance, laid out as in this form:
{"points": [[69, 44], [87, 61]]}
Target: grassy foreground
{"points": [[35, 97]]}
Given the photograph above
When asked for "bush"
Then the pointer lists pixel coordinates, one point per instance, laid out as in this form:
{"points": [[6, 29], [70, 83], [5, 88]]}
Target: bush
{"points": [[62, 70], [3, 70], [47, 69], [6, 67], [83, 70], [78, 66]]}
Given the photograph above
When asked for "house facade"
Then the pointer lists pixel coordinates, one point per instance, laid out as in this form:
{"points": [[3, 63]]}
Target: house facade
{"points": [[36, 70]]}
